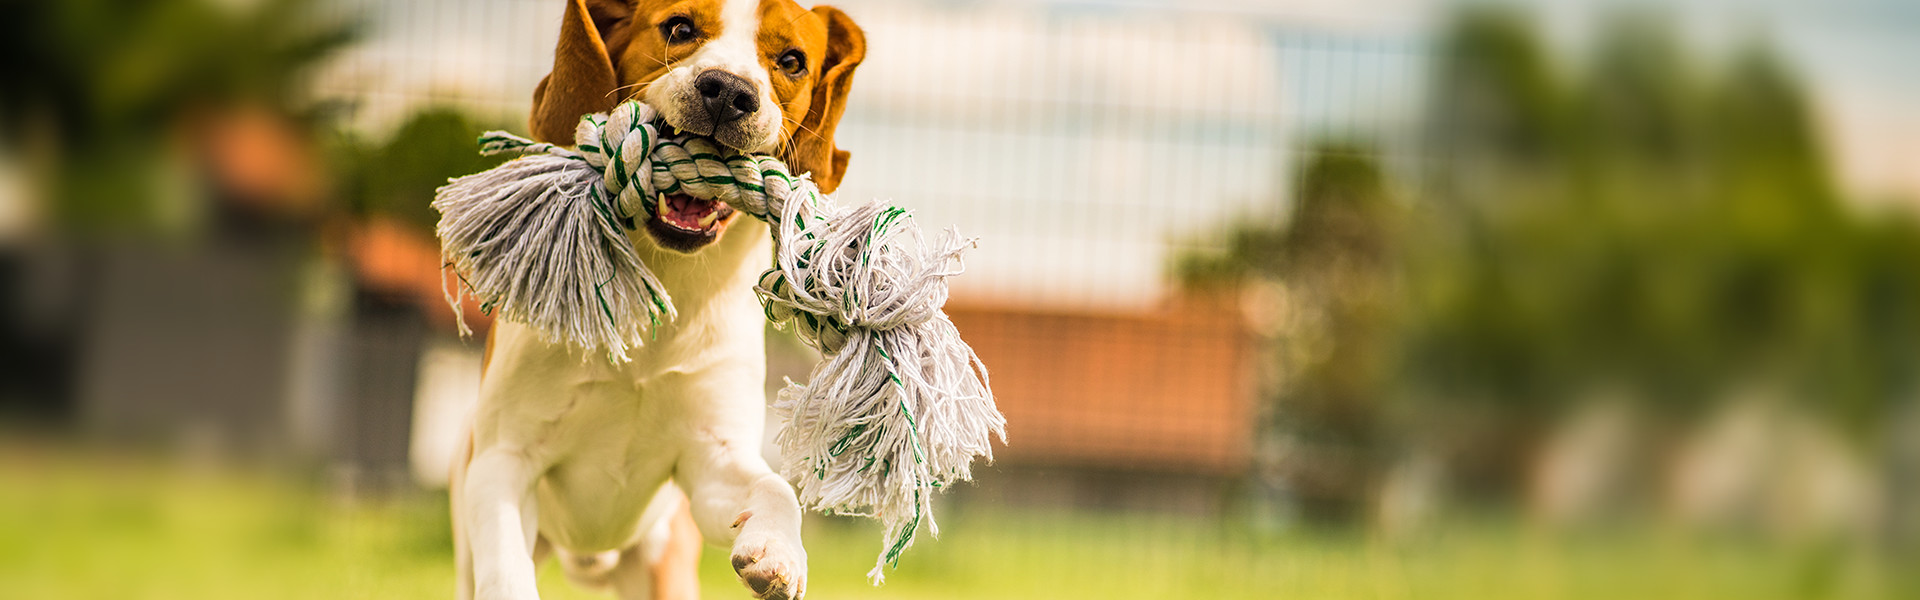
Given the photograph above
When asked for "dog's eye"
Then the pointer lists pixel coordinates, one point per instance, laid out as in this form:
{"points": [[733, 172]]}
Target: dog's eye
{"points": [[678, 30], [794, 62]]}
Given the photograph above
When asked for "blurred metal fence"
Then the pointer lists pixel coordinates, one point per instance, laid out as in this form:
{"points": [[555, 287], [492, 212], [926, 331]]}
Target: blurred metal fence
{"points": [[1083, 143], [1086, 145]]}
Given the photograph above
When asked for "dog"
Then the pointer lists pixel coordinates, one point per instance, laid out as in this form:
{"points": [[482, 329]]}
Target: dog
{"points": [[619, 469]]}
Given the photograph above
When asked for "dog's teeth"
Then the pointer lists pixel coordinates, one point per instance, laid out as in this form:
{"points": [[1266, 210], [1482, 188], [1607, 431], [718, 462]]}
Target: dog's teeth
{"points": [[707, 221]]}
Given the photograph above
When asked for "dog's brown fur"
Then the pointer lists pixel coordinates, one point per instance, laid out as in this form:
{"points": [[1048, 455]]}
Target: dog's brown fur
{"points": [[588, 78]]}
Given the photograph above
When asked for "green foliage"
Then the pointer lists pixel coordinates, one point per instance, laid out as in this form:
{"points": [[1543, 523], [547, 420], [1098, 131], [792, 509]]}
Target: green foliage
{"points": [[1689, 244], [103, 87], [1642, 226], [398, 178], [1340, 216], [1336, 259], [1495, 91]]}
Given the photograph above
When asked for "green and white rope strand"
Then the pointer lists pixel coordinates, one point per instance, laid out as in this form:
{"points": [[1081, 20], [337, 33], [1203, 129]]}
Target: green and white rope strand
{"points": [[898, 407]]}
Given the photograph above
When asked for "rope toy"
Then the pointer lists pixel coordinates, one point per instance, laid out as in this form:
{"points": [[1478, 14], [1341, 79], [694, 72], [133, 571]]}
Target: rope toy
{"points": [[899, 405]]}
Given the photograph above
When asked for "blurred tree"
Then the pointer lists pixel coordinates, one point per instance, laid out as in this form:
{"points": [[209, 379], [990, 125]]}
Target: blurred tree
{"points": [[1643, 231], [1686, 243], [139, 119], [1338, 264], [1333, 264], [1496, 108], [398, 178], [100, 89]]}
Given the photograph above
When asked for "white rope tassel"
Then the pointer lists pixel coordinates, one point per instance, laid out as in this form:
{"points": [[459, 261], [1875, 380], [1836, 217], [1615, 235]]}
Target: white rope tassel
{"points": [[900, 405], [538, 240]]}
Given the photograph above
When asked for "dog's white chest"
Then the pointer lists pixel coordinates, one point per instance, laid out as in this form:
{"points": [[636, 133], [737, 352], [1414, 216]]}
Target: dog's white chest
{"points": [[610, 435], [613, 453]]}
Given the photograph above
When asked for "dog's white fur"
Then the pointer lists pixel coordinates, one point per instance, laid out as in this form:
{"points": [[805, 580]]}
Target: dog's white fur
{"points": [[571, 451]]}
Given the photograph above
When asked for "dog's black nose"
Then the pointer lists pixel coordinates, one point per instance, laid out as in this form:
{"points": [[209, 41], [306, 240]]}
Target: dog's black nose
{"points": [[728, 97]]}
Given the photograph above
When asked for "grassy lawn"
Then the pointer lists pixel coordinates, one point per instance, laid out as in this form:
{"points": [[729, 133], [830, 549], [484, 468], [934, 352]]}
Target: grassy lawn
{"points": [[92, 528]]}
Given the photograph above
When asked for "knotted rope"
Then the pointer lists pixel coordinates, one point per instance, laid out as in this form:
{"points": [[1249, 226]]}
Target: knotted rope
{"points": [[898, 407]]}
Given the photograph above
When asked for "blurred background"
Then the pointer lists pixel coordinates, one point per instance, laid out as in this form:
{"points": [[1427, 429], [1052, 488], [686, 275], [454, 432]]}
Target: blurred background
{"points": [[1382, 299]]}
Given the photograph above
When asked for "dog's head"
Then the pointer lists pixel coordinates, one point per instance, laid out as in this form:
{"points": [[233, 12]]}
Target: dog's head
{"points": [[763, 76]]}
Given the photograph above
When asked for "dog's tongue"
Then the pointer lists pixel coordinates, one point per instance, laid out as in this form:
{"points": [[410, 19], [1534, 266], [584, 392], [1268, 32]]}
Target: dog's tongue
{"points": [[687, 212]]}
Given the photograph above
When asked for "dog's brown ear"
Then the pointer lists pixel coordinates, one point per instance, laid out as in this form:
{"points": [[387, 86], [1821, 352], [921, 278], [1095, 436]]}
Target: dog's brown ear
{"points": [[584, 79], [812, 149]]}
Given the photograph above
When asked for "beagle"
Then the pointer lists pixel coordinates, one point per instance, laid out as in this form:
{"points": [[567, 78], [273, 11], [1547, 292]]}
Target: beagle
{"points": [[575, 456]]}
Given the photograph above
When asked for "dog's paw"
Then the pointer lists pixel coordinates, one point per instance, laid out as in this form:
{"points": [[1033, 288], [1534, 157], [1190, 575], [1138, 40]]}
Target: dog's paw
{"points": [[773, 569]]}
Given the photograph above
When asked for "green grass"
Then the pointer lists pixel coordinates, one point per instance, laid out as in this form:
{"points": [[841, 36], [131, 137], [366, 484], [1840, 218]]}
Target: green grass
{"points": [[75, 529]]}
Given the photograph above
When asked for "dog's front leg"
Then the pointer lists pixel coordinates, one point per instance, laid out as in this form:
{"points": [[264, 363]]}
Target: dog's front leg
{"points": [[739, 501], [500, 519]]}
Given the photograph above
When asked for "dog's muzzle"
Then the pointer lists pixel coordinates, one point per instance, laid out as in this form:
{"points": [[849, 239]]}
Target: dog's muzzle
{"points": [[723, 106]]}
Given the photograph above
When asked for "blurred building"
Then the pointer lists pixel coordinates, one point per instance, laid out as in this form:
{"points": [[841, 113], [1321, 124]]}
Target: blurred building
{"points": [[1117, 410]]}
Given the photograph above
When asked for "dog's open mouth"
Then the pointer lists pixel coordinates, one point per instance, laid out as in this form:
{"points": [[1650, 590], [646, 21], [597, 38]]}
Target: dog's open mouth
{"points": [[684, 223]]}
